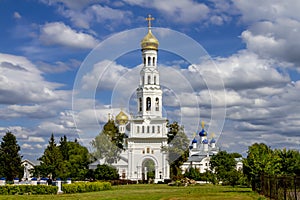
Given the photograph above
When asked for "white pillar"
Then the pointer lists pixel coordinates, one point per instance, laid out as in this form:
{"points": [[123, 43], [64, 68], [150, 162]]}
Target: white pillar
{"points": [[2, 181], [213, 145], [145, 172], [58, 184], [16, 181], [194, 145], [34, 181]]}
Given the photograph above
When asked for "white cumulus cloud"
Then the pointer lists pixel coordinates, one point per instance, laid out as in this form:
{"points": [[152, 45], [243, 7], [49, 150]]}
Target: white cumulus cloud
{"points": [[57, 33]]}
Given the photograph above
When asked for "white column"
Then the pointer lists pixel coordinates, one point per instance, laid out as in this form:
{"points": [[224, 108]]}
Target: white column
{"points": [[58, 184], [34, 181], [145, 172]]}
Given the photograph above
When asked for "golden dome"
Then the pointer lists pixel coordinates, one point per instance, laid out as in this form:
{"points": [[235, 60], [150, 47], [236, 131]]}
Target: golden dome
{"points": [[122, 118], [149, 42]]}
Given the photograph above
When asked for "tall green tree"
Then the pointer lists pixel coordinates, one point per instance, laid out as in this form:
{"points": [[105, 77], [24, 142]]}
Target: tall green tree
{"points": [[52, 163], [77, 162], [224, 166], [109, 143], [63, 147], [10, 159], [288, 161], [177, 149], [260, 160]]}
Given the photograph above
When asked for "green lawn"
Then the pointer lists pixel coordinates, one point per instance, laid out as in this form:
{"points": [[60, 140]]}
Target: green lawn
{"points": [[145, 192]]}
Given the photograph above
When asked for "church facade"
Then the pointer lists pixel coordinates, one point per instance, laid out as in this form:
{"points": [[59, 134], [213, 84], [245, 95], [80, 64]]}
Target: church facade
{"points": [[146, 131], [200, 152]]}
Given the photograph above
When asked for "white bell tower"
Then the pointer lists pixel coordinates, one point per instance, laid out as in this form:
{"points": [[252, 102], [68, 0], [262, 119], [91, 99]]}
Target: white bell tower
{"points": [[149, 93], [148, 129]]}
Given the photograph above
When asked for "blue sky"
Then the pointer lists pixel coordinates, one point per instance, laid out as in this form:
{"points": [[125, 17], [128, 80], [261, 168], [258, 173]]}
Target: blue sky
{"points": [[252, 50]]}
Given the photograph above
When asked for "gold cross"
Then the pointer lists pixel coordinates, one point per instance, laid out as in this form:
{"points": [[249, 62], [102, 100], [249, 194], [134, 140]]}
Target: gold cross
{"points": [[149, 19]]}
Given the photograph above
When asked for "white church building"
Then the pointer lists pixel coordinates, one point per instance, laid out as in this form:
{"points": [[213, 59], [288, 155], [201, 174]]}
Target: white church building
{"points": [[147, 131], [200, 152]]}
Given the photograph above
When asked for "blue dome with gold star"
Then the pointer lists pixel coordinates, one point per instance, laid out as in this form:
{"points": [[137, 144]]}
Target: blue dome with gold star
{"points": [[205, 141], [194, 141], [213, 140], [202, 133]]}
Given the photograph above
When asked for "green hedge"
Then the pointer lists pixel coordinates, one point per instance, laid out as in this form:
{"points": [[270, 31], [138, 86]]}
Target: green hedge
{"points": [[27, 189], [80, 187]]}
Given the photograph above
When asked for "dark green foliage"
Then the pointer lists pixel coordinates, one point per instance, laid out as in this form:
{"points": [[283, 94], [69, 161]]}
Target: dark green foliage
{"points": [[80, 187], [77, 163], [111, 130], [105, 172], [224, 166], [173, 130], [177, 149], [27, 189], [193, 173], [10, 159], [288, 161], [262, 160], [63, 147], [67, 160], [51, 161]]}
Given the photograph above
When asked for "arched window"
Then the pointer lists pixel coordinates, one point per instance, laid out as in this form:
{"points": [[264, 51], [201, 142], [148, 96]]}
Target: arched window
{"points": [[140, 105], [148, 150], [157, 104], [148, 104], [149, 79], [143, 80], [153, 129], [153, 60], [144, 60], [148, 129], [154, 80], [138, 129], [158, 129], [143, 129], [149, 60]]}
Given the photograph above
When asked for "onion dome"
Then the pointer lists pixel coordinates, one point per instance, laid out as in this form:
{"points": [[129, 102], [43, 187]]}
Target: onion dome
{"points": [[202, 133], [121, 118], [212, 140], [149, 42], [205, 141], [194, 141]]}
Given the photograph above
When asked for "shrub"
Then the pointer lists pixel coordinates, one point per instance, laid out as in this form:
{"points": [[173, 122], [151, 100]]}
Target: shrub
{"points": [[122, 182], [80, 187], [27, 189]]}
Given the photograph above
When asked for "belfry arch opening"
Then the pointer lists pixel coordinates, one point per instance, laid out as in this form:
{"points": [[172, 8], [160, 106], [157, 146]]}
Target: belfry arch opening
{"points": [[148, 104]]}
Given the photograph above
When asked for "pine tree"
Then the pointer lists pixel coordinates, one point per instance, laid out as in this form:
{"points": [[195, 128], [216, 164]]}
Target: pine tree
{"points": [[64, 147], [10, 159], [52, 160]]}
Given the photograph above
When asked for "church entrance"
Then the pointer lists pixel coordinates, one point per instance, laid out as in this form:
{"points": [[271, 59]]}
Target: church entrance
{"points": [[148, 170]]}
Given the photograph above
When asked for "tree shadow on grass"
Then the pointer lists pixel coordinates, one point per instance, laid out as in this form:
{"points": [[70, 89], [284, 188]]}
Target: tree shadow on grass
{"points": [[238, 191]]}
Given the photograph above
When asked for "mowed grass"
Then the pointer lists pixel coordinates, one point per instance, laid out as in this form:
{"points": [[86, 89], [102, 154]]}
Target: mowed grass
{"points": [[151, 192]]}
